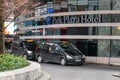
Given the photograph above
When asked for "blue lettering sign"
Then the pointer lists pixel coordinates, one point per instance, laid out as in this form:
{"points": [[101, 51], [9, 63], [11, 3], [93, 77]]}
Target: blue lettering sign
{"points": [[48, 20], [50, 10]]}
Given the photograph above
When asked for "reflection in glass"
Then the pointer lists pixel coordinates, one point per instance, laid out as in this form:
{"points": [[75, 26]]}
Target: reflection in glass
{"points": [[104, 31], [116, 4], [82, 5], [72, 5], [103, 48], [116, 30], [115, 48], [104, 4], [93, 5]]}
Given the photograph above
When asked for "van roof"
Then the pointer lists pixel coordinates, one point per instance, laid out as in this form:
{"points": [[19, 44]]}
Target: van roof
{"points": [[55, 42]]}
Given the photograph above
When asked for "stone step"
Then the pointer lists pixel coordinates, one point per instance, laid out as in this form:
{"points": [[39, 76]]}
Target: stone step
{"points": [[44, 76]]}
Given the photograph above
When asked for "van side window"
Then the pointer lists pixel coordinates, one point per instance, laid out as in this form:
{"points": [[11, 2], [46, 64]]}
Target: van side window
{"points": [[20, 44], [46, 47], [40, 46], [55, 48]]}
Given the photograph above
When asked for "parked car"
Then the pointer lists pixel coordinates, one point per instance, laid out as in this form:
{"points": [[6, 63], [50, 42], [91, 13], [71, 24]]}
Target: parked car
{"points": [[59, 52], [24, 48]]}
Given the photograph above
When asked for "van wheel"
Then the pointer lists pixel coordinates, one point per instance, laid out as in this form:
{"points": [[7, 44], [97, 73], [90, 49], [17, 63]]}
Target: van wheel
{"points": [[63, 62], [39, 59]]}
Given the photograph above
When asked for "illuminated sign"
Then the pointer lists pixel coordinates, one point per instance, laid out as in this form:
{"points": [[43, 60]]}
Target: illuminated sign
{"points": [[85, 18], [76, 19]]}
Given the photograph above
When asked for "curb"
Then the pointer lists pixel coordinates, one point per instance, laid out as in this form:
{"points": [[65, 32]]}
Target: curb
{"points": [[44, 76], [31, 72]]}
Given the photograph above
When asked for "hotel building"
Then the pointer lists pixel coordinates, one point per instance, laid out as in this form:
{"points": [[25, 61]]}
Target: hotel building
{"points": [[92, 25]]}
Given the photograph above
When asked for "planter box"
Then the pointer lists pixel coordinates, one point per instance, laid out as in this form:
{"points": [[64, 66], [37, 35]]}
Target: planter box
{"points": [[31, 72]]}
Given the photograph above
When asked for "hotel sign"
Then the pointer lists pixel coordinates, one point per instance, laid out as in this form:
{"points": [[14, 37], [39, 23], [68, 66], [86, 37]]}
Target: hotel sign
{"points": [[76, 19]]}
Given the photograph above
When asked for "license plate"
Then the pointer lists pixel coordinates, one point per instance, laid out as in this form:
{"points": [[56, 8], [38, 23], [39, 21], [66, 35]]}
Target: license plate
{"points": [[77, 60]]}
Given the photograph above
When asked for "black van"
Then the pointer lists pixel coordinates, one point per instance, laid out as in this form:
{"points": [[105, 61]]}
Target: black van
{"points": [[59, 52], [25, 48]]}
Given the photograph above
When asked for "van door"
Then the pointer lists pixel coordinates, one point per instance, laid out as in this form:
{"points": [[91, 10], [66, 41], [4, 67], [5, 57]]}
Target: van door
{"points": [[14, 48], [55, 53], [45, 52], [20, 49]]}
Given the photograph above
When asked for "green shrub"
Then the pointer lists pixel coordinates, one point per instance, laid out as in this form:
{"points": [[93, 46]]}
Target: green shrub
{"points": [[10, 62]]}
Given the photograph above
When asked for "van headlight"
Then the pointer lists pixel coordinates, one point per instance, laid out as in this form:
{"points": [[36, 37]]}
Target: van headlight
{"points": [[83, 56], [29, 52], [69, 57]]}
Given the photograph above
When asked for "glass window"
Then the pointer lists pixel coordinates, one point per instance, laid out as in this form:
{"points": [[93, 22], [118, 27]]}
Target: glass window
{"points": [[105, 18], [64, 6], [115, 18], [56, 31], [43, 10], [37, 11], [47, 47], [82, 5], [50, 7], [30, 45], [104, 4], [53, 31], [104, 31], [93, 5], [116, 4], [57, 7], [49, 32], [72, 5], [55, 48], [103, 48], [72, 2], [8, 44], [70, 49], [115, 48], [28, 33], [92, 30], [116, 30], [40, 46]]}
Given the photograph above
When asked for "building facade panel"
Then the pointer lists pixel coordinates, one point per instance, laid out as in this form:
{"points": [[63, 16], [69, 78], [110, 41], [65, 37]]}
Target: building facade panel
{"points": [[92, 25]]}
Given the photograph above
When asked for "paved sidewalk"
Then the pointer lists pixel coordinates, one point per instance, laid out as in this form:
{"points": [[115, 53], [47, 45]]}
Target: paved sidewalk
{"points": [[84, 72]]}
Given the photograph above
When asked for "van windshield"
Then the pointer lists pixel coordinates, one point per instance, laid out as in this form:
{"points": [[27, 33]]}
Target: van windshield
{"points": [[70, 49], [30, 45], [8, 45]]}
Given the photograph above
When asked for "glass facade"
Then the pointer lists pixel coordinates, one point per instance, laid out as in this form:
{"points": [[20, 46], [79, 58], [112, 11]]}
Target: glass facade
{"points": [[100, 48], [115, 48], [55, 6], [109, 48], [104, 48], [92, 47], [80, 5]]}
